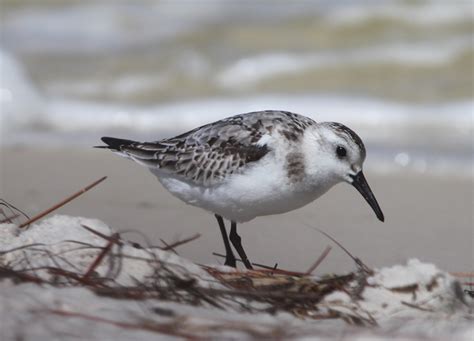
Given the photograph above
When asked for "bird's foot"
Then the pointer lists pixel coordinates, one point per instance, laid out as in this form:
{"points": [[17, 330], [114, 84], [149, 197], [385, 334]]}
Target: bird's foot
{"points": [[230, 261], [247, 264]]}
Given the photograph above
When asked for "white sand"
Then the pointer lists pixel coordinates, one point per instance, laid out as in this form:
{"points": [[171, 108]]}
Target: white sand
{"points": [[433, 307]]}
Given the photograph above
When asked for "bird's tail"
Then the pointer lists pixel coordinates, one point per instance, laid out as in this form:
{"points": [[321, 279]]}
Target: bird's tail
{"points": [[115, 144], [144, 153]]}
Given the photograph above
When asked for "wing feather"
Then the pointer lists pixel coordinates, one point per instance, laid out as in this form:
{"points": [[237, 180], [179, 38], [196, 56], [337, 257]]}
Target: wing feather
{"points": [[208, 154]]}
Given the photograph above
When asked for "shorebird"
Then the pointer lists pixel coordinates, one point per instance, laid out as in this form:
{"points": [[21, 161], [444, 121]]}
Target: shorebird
{"points": [[254, 164]]}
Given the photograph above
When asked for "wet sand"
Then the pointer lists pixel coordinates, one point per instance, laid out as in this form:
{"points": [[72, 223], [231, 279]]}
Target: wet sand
{"points": [[427, 217]]}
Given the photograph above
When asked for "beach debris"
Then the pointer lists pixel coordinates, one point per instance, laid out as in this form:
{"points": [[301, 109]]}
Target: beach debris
{"points": [[68, 252], [9, 212], [62, 203]]}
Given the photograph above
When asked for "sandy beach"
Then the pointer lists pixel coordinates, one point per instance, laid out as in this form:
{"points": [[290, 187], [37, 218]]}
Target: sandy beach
{"points": [[398, 73], [428, 217]]}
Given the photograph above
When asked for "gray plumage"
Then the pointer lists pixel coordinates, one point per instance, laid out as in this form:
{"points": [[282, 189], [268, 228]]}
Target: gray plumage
{"points": [[208, 154]]}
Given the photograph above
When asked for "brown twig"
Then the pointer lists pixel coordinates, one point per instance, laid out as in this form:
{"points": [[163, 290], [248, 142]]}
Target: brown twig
{"points": [[9, 219], [73, 277], [268, 268], [12, 208], [319, 260], [414, 306], [97, 233], [113, 239], [180, 242], [355, 259], [168, 246], [142, 293], [24, 277], [62, 203], [240, 261], [281, 271]]}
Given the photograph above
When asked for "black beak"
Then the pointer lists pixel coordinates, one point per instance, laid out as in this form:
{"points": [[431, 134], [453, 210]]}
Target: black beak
{"points": [[359, 182]]}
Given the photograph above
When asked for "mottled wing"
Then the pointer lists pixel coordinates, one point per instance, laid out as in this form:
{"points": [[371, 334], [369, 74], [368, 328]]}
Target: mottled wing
{"points": [[208, 154]]}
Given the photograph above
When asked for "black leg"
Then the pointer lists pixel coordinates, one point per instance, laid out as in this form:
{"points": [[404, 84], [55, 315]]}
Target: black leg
{"points": [[229, 255], [236, 241]]}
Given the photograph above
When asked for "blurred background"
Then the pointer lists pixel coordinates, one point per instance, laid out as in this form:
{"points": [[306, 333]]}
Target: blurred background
{"points": [[400, 73]]}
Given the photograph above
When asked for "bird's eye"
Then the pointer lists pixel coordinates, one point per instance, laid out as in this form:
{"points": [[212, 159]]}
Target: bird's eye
{"points": [[341, 152]]}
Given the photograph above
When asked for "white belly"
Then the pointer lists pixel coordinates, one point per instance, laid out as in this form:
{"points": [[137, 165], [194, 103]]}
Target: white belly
{"points": [[262, 190]]}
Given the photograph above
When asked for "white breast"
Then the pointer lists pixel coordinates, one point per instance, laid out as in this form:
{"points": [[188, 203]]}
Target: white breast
{"points": [[263, 189]]}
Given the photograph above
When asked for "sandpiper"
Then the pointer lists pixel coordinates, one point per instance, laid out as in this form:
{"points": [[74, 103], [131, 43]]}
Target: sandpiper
{"points": [[254, 164]]}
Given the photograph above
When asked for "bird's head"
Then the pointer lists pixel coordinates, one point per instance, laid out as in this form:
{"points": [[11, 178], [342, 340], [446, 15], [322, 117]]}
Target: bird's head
{"points": [[342, 154]]}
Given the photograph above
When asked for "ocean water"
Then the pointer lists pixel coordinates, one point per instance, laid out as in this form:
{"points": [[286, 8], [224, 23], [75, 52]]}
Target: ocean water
{"points": [[400, 73]]}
